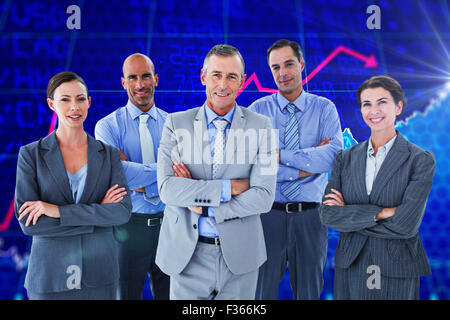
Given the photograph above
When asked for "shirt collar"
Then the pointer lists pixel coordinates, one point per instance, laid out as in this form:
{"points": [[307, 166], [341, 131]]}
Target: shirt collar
{"points": [[384, 148], [211, 115], [300, 102], [136, 112]]}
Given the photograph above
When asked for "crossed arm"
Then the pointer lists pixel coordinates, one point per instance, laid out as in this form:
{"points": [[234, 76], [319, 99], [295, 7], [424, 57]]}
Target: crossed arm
{"points": [[44, 218], [35, 209], [253, 195], [335, 198], [399, 222], [140, 177], [238, 186], [301, 173]]}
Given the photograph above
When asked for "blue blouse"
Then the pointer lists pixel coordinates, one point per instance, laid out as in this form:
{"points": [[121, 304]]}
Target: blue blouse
{"points": [[77, 182]]}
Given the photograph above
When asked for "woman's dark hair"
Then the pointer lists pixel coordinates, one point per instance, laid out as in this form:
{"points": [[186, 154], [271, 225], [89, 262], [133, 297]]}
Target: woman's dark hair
{"points": [[386, 82], [62, 77]]}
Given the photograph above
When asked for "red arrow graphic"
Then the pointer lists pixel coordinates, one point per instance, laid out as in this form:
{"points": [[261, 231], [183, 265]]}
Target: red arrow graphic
{"points": [[371, 62], [9, 214]]}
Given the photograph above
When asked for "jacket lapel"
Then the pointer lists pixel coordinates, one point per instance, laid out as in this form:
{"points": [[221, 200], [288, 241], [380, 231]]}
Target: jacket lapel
{"points": [[360, 167], [95, 165], [55, 163], [398, 154], [237, 124]]}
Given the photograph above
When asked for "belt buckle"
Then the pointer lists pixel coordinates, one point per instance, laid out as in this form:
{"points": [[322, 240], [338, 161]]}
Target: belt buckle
{"points": [[216, 241], [299, 207], [150, 224]]}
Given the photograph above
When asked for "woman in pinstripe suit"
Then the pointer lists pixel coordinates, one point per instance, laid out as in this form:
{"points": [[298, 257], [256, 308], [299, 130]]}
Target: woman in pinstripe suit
{"points": [[376, 198]]}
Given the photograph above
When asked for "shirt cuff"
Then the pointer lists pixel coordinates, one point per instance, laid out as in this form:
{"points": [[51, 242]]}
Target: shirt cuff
{"points": [[286, 157], [139, 175], [225, 195], [211, 212], [151, 190], [296, 158], [286, 173]]}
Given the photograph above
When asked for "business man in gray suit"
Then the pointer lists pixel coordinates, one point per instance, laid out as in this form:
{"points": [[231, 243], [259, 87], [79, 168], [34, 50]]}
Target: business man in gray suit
{"points": [[376, 198], [216, 174]]}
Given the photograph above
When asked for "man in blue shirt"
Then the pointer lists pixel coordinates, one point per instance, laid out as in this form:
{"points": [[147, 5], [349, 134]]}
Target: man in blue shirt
{"points": [[310, 136], [135, 130]]}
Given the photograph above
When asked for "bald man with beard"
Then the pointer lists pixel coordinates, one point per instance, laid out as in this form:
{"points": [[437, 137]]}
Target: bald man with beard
{"points": [[135, 130]]}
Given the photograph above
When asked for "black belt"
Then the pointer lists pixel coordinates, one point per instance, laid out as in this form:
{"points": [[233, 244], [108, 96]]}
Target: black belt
{"points": [[149, 220], [209, 240], [293, 207]]}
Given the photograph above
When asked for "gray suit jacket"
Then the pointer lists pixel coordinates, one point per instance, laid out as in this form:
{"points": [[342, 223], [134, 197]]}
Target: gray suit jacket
{"points": [[403, 181], [185, 139], [83, 235]]}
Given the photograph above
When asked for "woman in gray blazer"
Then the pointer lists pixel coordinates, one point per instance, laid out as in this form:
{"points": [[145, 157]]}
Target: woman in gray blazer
{"points": [[376, 198], [70, 192]]}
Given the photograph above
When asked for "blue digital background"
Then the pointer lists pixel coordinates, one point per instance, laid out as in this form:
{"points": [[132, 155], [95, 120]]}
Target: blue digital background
{"points": [[412, 46]]}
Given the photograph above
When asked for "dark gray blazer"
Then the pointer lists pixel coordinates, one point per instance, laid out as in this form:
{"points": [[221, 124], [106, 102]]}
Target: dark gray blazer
{"points": [[403, 181], [83, 235]]}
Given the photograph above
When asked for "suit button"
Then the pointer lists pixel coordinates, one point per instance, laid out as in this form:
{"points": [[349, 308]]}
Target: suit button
{"points": [[195, 226], [208, 201], [196, 200]]}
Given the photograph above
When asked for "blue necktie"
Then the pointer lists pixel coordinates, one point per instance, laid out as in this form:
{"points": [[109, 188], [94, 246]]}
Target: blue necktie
{"points": [[291, 142], [219, 145], [219, 154], [146, 140]]}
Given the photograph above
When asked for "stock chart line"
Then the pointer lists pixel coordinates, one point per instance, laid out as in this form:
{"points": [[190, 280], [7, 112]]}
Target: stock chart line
{"points": [[370, 62]]}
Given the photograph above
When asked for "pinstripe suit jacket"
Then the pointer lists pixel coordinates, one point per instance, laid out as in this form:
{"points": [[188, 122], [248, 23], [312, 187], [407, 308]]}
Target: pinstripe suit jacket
{"points": [[404, 181]]}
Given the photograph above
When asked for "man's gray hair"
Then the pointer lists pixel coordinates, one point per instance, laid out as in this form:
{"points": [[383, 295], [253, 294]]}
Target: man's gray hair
{"points": [[224, 50]]}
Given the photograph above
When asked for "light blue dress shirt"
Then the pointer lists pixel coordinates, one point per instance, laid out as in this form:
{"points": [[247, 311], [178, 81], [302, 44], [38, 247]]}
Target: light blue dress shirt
{"points": [[373, 164], [77, 182], [206, 226], [317, 119], [121, 130]]}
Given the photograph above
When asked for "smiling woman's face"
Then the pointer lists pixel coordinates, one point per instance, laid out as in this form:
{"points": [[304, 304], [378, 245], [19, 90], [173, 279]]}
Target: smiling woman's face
{"points": [[379, 109], [71, 104]]}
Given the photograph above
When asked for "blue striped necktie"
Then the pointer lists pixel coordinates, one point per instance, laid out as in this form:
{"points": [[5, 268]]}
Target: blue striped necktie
{"points": [[291, 142]]}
